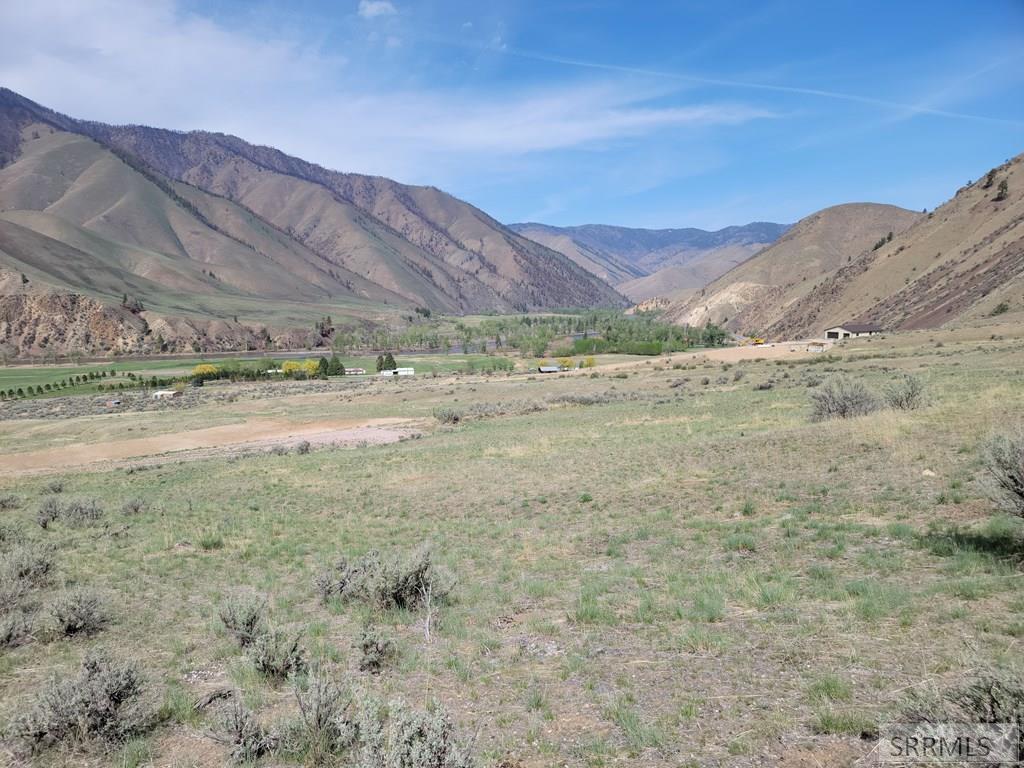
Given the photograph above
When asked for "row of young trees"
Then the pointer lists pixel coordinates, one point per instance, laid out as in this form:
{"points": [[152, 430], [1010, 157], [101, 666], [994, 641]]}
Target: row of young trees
{"points": [[528, 334]]}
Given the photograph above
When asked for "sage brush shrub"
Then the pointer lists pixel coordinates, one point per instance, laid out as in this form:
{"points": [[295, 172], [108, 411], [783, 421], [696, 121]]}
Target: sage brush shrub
{"points": [[12, 590], [105, 701], [907, 394], [15, 627], [9, 536], [277, 654], [994, 697], [49, 511], [242, 732], [133, 507], [395, 582], [1003, 459], [80, 612], [324, 727], [82, 512], [842, 398], [28, 562], [10, 501], [399, 737], [244, 617], [376, 650], [448, 415]]}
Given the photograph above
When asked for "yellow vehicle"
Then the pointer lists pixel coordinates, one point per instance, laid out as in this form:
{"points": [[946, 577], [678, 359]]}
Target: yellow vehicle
{"points": [[757, 341]]}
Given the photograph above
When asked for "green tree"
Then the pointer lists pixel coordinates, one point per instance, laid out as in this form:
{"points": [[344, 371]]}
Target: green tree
{"points": [[389, 363], [1003, 192], [323, 367], [380, 363]]}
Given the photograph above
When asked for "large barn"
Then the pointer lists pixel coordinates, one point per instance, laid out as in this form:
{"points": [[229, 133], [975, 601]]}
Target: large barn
{"points": [[853, 330]]}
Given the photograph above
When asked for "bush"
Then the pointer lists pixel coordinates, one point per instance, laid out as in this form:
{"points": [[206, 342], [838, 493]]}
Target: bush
{"points": [[393, 583], [80, 612], [841, 398], [448, 415], [994, 697], [302, 448], [1003, 459], [243, 616], [323, 728], [55, 486], [376, 650], [907, 394], [15, 628], [82, 512], [400, 737], [247, 739], [26, 562], [133, 507], [10, 536], [10, 501], [12, 590], [277, 654], [49, 511], [104, 701]]}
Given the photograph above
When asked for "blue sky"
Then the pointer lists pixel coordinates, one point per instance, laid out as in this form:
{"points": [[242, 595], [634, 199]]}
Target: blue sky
{"points": [[642, 114]]}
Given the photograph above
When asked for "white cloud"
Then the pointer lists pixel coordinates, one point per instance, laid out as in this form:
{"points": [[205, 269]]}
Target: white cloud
{"points": [[150, 63], [371, 9]]}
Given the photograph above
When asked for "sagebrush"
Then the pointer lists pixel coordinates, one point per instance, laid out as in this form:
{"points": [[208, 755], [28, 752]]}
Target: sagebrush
{"points": [[105, 701], [385, 583], [842, 398]]}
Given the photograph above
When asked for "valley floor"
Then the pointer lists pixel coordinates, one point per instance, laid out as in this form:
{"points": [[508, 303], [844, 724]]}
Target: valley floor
{"points": [[658, 562]]}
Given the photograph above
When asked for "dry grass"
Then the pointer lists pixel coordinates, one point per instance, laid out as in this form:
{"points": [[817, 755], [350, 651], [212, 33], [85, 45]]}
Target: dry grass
{"points": [[639, 579]]}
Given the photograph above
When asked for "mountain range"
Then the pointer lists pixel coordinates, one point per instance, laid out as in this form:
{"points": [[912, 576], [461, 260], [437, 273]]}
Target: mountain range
{"points": [[233, 236], [131, 239], [645, 263]]}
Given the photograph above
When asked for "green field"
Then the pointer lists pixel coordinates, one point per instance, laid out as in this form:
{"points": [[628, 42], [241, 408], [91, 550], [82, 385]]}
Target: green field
{"points": [[651, 570], [13, 377]]}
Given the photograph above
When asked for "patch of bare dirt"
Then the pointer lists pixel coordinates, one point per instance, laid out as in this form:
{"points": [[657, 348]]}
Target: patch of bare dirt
{"points": [[249, 436]]}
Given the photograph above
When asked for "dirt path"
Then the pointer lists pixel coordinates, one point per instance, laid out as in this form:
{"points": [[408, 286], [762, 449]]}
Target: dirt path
{"points": [[782, 349], [254, 434]]}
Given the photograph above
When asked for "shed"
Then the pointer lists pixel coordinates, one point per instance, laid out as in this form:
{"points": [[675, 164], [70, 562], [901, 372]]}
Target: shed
{"points": [[549, 369], [166, 394], [853, 330], [355, 371]]}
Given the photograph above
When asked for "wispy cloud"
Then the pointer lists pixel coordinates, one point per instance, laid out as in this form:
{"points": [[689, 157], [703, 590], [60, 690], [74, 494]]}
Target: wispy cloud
{"points": [[724, 82], [371, 9]]}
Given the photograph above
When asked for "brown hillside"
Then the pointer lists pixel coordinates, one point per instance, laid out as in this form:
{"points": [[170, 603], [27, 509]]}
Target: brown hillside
{"points": [[755, 294], [962, 262], [272, 224]]}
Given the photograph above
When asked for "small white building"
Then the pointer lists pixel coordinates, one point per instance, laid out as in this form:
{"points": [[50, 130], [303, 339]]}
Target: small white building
{"points": [[355, 371], [399, 372], [166, 394], [853, 330]]}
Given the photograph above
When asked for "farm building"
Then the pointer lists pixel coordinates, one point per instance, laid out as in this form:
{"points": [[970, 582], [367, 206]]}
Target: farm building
{"points": [[166, 394], [355, 371], [399, 372], [852, 330], [549, 369]]}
